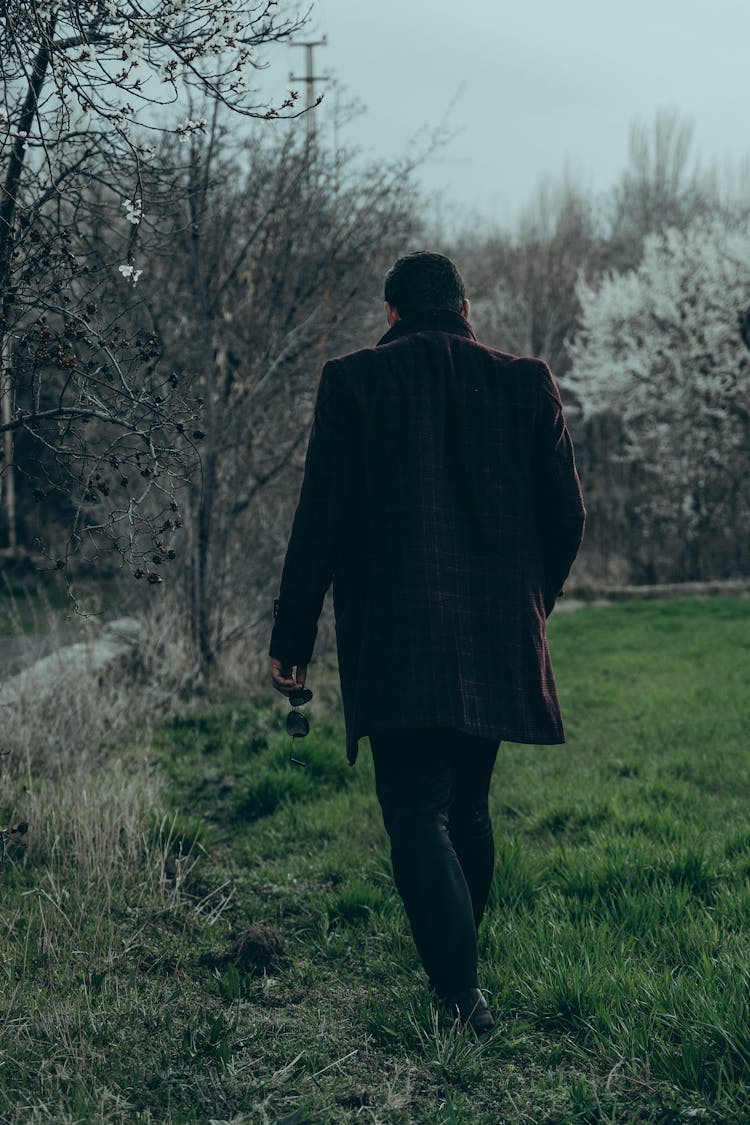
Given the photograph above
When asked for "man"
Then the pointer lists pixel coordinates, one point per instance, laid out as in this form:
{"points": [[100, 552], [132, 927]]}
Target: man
{"points": [[441, 496]]}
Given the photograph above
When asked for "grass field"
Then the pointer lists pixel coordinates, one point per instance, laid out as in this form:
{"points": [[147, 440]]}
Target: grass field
{"points": [[194, 930]]}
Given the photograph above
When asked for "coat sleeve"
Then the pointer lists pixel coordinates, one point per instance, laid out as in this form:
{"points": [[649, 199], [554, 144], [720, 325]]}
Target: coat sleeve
{"points": [[308, 566], [558, 501]]}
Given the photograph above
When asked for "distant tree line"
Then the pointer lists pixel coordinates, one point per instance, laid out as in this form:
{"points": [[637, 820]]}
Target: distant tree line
{"points": [[640, 302]]}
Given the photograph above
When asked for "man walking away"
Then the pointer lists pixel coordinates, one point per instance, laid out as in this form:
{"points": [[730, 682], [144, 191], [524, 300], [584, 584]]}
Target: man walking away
{"points": [[441, 498]]}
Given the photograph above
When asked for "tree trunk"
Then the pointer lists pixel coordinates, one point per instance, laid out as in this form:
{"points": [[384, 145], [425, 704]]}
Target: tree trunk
{"points": [[7, 477], [8, 206], [201, 602]]}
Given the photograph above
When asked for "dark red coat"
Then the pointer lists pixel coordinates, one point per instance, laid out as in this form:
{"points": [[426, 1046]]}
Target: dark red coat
{"points": [[441, 496]]}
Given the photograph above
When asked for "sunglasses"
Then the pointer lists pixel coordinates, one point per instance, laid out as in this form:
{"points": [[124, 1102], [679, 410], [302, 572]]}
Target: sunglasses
{"points": [[297, 725]]}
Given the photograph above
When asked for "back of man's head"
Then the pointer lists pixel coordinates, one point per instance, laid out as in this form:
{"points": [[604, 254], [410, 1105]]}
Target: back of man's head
{"points": [[422, 281]]}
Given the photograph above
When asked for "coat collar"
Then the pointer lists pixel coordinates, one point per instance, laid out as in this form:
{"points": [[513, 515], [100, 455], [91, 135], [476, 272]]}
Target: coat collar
{"points": [[431, 320]]}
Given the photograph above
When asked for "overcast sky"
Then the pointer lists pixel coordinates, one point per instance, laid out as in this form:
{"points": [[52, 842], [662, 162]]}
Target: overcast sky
{"points": [[535, 84]]}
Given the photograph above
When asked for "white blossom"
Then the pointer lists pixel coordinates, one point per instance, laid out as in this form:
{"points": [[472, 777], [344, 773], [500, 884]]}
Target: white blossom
{"points": [[668, 329], [133, 210], [189, 127], [130, 273]]}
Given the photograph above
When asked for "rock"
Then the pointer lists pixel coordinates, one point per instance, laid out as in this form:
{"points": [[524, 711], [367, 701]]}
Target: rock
{"points": [[117, 641]]}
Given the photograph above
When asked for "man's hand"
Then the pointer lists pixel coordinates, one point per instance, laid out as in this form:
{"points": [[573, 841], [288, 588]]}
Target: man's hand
{"points": [[282, 678]]}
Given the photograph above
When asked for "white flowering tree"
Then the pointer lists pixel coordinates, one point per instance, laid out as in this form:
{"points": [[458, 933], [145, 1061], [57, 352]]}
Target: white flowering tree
{"points": [[86, 409], [664, 349]]}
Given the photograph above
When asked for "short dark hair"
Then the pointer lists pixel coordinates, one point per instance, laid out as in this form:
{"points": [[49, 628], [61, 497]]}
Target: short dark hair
{"points": [[422, 281]]}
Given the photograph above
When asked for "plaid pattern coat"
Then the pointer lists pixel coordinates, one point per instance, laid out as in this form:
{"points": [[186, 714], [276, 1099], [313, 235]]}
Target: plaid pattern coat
{"points": [[440, 496]]}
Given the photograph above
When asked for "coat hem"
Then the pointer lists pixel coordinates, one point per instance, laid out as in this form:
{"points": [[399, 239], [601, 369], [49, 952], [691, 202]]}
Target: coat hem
{"points": [[506, 735]]}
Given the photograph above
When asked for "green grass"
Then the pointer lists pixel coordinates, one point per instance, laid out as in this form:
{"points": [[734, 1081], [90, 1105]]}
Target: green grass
{"points": [[234, 950]]}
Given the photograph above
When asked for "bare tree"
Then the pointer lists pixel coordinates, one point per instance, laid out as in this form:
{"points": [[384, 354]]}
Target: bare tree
{"points": [[523, 283], [270, 259], [662, 186], [86, 84]]}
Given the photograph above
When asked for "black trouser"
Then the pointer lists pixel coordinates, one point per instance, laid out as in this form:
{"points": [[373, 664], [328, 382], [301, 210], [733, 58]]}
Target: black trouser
{"points": [[432, 786]]}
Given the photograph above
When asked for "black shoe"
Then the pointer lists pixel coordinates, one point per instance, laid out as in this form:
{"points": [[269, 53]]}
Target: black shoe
{"points": [[472, 1010]]}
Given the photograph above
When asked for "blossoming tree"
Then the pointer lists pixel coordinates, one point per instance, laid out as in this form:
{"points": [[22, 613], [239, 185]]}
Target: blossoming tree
{"points": [[664, 348]]}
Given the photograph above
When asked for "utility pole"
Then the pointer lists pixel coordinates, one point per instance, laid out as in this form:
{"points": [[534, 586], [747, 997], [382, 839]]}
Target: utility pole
{"points": [[310, 78]]}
